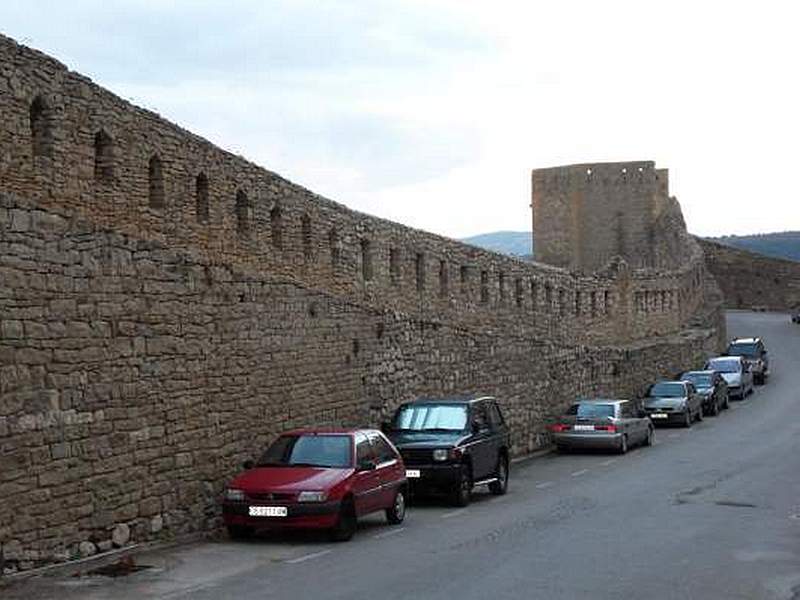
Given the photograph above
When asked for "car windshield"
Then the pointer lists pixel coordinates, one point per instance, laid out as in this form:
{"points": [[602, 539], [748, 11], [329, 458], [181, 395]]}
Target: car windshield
{"points": [[431, 417], [742, 349], [591, 409], [724, 365], [333, 451], [698, 379], [667, 389]]}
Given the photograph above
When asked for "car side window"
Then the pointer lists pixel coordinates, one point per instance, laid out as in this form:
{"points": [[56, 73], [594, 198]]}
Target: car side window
{"points": [[495, 416], [383, 450], [479, 416], [363, 449]]}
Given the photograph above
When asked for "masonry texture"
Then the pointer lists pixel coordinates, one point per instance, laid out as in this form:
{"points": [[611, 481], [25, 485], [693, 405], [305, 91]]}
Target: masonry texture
{"points": [[751, 280], [166, 308]]}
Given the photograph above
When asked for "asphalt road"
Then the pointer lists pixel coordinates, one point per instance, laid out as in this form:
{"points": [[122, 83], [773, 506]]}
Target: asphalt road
{"points": [[709, 512]]}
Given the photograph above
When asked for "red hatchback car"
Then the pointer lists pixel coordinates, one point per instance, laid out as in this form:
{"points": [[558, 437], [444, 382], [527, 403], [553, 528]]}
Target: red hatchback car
{"points": [[322, 479]]}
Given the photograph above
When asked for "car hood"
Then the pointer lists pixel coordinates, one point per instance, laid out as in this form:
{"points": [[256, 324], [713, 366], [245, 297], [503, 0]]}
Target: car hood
{"points": [[732, 378], [706, 391], [664, 402], [407, 440], [289, 479]]}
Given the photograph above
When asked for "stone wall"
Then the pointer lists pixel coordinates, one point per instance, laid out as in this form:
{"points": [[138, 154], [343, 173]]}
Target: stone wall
{"points": [[166, 308], [584, 215], [750, 280], [135, 378]]}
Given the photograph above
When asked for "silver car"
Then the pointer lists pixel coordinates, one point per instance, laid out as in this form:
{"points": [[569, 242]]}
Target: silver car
{"points": [[736, 372], [603, 424]]}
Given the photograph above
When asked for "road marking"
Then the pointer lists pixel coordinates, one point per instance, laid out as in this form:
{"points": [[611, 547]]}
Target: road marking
{"points": [[579, 473], [454, 513], [386, 534], [608, 462], [306, 557], [544, 484]]}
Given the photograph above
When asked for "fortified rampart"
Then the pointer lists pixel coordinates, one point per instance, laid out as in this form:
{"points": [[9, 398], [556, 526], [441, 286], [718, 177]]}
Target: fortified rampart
{"points": [[167, 307], [585, 215], [749, 280]]}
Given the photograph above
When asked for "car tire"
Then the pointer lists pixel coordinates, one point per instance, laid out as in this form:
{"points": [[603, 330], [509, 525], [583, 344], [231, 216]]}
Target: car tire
{"points": [[397, 511], [462, 493], [650, 437], [239, 532], [687, 418], [500, 487], [623, 444], [345, 526]]}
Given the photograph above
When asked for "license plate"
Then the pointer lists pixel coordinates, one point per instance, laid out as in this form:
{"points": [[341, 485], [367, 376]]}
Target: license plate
{"points": [[412, 473], [268, 511], [659, 415], [583, 427]]}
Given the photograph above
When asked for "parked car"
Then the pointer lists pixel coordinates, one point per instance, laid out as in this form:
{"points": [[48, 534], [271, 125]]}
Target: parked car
{"points": [[603, 424], [755, 355], [452, 445], [736, 373], [712, 387], [674, 402], [323, 479]]}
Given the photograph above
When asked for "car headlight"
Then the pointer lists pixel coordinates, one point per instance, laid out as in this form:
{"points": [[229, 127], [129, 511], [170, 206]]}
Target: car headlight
{"points": [[312, 496], [234, 494], [440, 454]]}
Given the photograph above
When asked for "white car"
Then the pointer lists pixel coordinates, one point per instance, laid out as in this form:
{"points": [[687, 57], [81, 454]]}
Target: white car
{"points": [[736, 373]]}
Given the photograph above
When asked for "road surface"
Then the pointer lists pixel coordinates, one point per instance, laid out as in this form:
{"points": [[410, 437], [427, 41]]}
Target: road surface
{"points": [[708, 512]]}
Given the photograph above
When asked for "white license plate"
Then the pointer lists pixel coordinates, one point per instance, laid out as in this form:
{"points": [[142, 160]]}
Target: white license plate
{"points": [[268, 511], [583, 427], [659, 416], [412, 473]]}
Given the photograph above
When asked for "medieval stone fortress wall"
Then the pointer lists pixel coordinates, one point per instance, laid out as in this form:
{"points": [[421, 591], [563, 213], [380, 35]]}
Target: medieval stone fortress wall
{"points": [[167, 307]]}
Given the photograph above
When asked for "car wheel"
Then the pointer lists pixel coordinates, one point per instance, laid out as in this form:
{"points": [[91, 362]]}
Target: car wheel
{"points": [[346, 524], [687, 418], [500, 487], [623, 444], [397, 511], [463, 491], [240, 532], [651, 434]]}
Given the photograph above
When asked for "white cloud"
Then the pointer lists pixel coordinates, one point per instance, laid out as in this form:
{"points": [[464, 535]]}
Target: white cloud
{"points": [[432, 113]]}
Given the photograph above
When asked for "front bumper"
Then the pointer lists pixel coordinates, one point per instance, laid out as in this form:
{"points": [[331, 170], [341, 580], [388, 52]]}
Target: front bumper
{"points": [[307, 515], [597, 440], [434, 476], [670, 419]]}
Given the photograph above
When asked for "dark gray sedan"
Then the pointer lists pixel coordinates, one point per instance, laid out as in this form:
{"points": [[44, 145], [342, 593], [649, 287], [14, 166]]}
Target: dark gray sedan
{"points": [[604, 424], [674, 402], [712, 387]]}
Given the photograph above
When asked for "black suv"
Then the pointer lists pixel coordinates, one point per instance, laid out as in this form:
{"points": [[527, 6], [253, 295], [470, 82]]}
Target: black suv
{"points": [[754, 354], [452, 445]]}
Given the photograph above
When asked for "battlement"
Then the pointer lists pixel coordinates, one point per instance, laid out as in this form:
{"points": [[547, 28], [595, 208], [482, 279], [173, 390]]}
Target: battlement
{"points": [[631, 173]]}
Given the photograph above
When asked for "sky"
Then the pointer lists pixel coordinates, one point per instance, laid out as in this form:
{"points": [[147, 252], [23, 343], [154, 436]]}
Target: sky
{"points": [[432, 113]]}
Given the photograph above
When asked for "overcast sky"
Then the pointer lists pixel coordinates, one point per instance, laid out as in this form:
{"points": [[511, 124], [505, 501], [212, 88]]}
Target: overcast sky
{"points": [[432, 113]]}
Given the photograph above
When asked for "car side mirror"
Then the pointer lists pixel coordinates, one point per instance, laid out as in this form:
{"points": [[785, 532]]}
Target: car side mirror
{"points": [[366, 465], [248, 464]]}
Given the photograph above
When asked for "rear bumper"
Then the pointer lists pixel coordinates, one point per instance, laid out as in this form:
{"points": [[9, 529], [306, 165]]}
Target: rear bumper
{"points": [[312, 515], [588, 440]]}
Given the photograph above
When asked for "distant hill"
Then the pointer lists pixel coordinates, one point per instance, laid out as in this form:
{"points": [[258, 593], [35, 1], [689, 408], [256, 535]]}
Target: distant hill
{"points": [[785, 244], [515, 243]]}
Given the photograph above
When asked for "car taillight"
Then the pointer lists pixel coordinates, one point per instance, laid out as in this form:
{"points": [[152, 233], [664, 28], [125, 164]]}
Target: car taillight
{"points": [[559, 427], [609, 428]]}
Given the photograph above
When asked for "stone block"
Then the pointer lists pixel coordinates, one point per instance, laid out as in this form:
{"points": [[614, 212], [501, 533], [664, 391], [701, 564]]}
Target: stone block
{"points": [[121, 535]]}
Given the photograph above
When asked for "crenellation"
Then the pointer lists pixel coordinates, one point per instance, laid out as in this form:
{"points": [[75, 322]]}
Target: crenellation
{"points": [[166, 307]]}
